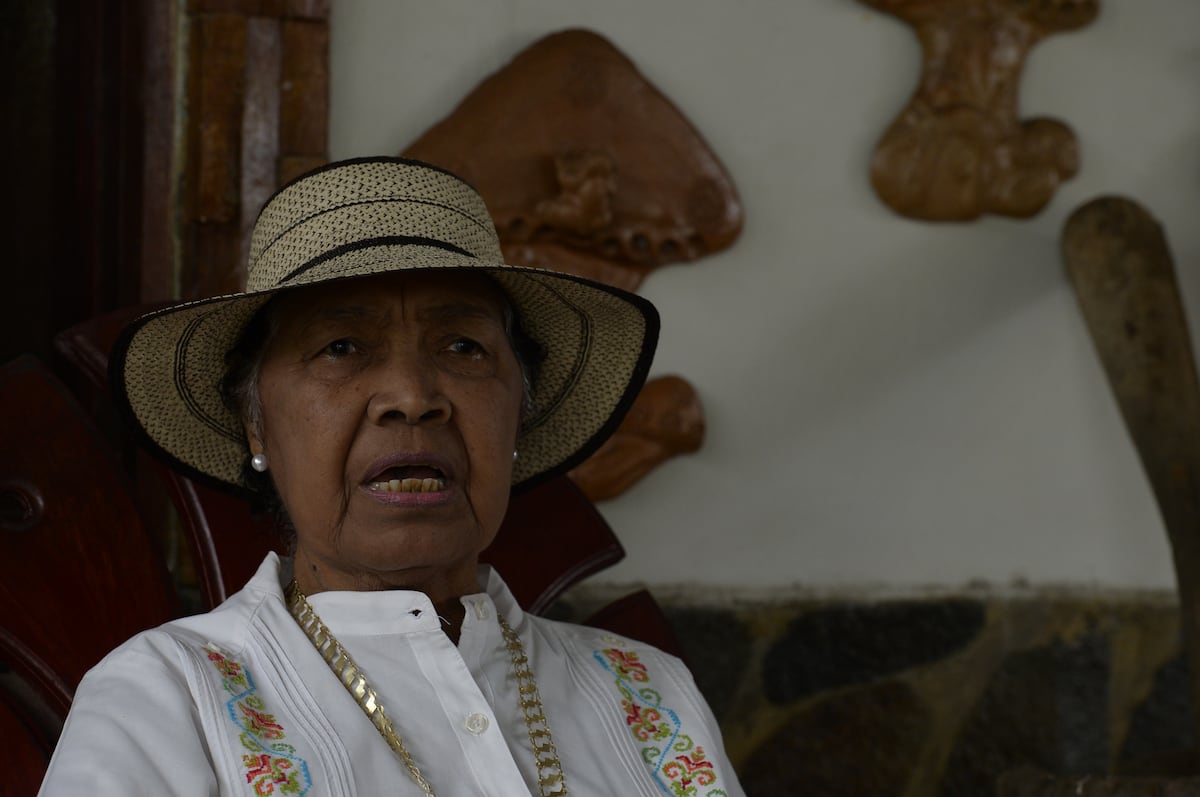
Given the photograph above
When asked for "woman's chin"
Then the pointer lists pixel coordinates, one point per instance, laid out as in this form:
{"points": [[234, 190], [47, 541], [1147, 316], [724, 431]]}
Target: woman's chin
{"points": [[415, 546]]}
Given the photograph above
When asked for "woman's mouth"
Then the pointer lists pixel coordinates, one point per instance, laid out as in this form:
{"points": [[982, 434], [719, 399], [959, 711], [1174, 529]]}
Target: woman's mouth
{"points": [[408, 479], [409, 485]]}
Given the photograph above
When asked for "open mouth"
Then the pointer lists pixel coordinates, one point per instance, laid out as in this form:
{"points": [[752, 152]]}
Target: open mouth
{"points": [[408, 479]]}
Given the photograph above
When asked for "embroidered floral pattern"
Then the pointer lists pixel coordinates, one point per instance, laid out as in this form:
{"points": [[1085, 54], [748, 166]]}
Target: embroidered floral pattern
{"points": [[270, 768], [678, 764], [626, 665]]}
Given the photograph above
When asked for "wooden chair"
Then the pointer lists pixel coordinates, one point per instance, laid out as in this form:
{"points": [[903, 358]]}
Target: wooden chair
{"points": [[78, 572], [26, 749]]}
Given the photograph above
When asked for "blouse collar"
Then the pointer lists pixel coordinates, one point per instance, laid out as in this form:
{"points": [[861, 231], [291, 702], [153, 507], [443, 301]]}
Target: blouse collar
{"points": [[390, 611]]}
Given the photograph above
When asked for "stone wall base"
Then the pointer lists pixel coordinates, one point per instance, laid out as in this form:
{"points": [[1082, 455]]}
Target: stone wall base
{"points": [[942, 696]]}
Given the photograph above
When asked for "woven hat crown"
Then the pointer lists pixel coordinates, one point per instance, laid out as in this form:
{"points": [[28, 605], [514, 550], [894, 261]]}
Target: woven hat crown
{"points": [[361, 203]]}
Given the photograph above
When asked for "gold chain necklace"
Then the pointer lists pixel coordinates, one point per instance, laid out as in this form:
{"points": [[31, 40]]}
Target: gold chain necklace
{"points": [[550, 775]]}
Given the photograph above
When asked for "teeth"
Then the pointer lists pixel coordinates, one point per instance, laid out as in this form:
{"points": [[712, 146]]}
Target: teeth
{"points": [[410, 485]]}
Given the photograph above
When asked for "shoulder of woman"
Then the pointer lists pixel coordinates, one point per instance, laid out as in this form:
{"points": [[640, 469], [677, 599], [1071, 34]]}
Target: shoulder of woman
{"points": [[130, 708], [170, 650], [610, 654]]}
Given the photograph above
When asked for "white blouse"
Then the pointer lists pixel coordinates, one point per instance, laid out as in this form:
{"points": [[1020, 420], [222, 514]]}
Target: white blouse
{"points": [[238, 702]]}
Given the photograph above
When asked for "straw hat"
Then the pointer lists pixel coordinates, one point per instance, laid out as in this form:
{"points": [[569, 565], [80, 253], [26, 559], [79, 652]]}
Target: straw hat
{"points": [[369, 216]]}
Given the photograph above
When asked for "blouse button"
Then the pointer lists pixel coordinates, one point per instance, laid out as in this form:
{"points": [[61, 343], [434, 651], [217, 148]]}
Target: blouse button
{"points": [[477, 723]]}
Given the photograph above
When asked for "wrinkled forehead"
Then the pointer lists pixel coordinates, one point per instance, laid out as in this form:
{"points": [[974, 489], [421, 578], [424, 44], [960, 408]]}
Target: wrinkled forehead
{"points": [[423, 295]]}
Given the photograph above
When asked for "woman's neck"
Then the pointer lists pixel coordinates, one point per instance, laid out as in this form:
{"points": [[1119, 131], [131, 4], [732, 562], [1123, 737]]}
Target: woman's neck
{"points": [[444, 590]]}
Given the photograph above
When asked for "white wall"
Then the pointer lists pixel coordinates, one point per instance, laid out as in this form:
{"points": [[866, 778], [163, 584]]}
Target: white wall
{"points": [[889, 403]]}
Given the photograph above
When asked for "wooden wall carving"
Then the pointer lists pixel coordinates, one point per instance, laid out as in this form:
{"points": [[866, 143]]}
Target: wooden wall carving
{"points": [[155, 180], [666, 420], [588, 168], [585, 165], [958, 149]]}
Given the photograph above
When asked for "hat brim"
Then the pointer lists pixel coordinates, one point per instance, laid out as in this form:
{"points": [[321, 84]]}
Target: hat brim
{"points": [[167, 366]]}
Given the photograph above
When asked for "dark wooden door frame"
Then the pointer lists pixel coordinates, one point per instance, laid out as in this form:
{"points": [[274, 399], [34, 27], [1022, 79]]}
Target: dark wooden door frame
{"points": [[140, 159]]}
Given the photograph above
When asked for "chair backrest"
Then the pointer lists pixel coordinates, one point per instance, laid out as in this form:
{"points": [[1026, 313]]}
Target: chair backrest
{"points": [[551, 539], [79, 574], [638, 616], [26, 750]]}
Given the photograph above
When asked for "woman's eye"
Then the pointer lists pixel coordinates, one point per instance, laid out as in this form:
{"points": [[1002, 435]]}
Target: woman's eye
{"points": [[467, 347], [466, 357], [339, 348]]}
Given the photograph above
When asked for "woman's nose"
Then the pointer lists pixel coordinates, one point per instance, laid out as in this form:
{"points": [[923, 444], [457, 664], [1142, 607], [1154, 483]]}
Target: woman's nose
{"points": [[405, 387]]}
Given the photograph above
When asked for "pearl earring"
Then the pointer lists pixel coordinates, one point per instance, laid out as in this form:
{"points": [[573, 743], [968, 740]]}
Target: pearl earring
{"points": [[515, 455], [259, 462]]}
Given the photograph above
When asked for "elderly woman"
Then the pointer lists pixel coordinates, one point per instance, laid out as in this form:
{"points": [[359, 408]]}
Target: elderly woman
{"points": [[387, 379]]}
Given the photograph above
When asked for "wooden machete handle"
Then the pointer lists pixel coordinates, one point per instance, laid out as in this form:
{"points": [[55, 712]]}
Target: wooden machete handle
{"points": [[1118, 261]]}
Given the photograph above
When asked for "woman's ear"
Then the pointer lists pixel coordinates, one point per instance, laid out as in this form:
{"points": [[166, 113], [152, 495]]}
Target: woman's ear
{"points": [[258, 453], [253, 436]]}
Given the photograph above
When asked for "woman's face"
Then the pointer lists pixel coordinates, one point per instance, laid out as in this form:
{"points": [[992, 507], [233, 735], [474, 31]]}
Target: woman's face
{"points": [[390, 409]]}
